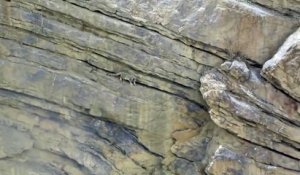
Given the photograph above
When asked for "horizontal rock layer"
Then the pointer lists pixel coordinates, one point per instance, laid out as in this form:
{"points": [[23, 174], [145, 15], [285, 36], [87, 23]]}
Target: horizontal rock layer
{"points": [[112, 87]]}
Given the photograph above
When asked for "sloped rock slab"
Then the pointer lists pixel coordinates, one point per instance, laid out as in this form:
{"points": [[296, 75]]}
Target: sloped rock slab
{"points": [[283, 70], [243, 103]]}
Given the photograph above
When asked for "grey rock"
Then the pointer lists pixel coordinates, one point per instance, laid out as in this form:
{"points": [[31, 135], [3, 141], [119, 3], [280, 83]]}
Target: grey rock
{"points": [[61, 113], [237, 69], [283, 70], [14, 141], [255, 111], [238, 164]]}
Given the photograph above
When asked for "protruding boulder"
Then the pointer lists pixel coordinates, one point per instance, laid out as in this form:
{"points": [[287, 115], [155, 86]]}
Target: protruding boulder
{"points": [[253, 110], [283, 70]]}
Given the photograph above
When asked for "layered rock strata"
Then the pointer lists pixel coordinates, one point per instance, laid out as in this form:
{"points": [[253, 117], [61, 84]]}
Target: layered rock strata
{"points": [[64, 109]]}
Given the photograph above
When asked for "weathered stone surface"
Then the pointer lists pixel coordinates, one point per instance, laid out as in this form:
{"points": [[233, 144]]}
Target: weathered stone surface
{"points": [[14, 141], [283, 70], [253, 110], [286, 7], [224, 24], [228, 162], [64, 110]]}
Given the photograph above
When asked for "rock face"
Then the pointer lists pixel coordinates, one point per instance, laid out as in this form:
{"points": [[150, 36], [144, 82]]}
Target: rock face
{"points": [[259, 114], [283, 68], [64, 108]]}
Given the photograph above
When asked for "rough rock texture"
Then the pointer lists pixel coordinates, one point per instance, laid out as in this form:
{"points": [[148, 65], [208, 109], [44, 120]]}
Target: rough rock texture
{"points": [[256, 112], [64, 108], [285, 7], [283, 68]]}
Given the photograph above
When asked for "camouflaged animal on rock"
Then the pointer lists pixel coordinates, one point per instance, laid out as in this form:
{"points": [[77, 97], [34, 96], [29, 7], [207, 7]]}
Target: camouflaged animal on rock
{"points": [[125, 76], [237, 69]]}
